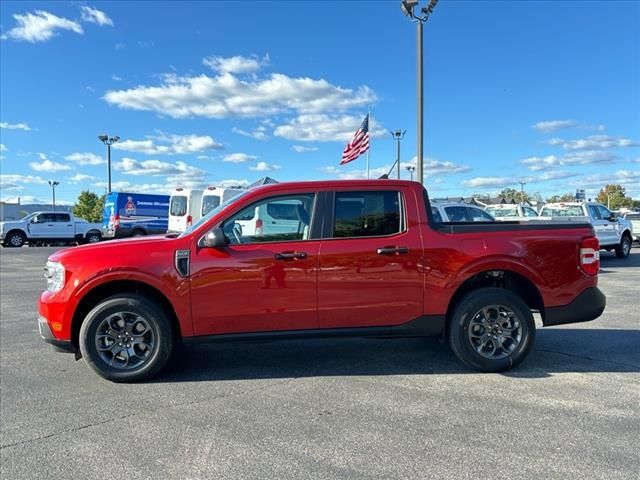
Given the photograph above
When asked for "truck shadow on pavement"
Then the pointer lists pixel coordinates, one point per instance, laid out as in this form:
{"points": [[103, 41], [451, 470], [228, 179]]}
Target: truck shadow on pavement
{"points": [[557, 350], [609, 260]]}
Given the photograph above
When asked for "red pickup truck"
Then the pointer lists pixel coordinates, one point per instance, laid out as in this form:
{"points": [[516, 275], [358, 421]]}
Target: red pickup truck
{"points": [[330, 258]]}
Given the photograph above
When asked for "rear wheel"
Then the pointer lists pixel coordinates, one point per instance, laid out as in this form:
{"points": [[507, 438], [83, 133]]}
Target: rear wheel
{"points": [[126, 338], [624, 247], [138, 233], [93, 237], [491, 330]]}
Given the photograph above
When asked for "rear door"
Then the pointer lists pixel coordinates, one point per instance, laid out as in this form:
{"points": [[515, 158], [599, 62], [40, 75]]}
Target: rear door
{"points": [[369, 262], [63, 226], [178, 208]]}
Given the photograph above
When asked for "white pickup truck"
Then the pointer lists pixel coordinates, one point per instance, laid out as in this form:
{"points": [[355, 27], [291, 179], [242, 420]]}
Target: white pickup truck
{"points": [[48, 227], [612, 232], [512, 212]]}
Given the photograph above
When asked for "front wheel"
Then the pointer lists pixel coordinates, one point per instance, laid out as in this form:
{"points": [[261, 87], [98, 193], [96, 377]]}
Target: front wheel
{"points": [[126, 338], [624, 247], [491, 330], [15, 240]]}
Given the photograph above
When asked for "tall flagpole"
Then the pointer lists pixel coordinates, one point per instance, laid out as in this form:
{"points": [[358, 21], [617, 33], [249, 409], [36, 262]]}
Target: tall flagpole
{"points": [[369, 149]]}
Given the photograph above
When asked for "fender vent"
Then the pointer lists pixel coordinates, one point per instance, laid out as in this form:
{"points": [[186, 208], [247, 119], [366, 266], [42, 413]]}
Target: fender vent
{"points": [[182, 262]]}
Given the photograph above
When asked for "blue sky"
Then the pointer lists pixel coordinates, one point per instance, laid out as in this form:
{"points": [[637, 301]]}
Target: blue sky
{"points": [[208, 92]]}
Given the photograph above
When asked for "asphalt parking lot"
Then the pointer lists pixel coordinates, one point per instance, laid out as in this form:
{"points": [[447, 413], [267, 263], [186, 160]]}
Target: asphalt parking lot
{"points": [[357, 408]]}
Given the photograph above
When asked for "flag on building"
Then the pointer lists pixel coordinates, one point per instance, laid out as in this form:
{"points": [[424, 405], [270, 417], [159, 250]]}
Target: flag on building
{"points": [[359, 144]]}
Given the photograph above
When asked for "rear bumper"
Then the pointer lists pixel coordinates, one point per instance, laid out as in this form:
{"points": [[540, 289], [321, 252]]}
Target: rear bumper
{"points": [[47, 336], [589, 305]]}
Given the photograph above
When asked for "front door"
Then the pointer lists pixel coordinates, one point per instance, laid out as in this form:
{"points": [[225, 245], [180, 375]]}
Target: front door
{"points": [[263, 280], [42, 226], [370, 262]]}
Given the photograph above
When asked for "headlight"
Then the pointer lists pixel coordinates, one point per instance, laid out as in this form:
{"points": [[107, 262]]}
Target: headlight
{"points": [[54, 273]]}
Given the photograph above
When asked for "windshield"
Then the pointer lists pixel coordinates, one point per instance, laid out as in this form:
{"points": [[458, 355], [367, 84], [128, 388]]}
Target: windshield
{"points": [[566, 211], [28, 217], [212, 213], [503, 211]]}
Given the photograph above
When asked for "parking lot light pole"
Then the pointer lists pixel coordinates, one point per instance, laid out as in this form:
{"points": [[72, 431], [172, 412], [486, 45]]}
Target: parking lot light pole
{"points": [[108, 141], [53, 184], [411, 169], [408, 8], [398, 135]]}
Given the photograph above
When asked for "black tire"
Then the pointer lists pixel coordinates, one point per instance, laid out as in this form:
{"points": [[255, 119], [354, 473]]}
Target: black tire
{"points": [[623, 249], [93, 237], [466, 341], [126, 307], [138, 233], [15, 240]]}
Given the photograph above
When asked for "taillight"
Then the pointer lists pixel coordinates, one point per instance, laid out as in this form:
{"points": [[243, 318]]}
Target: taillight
{"points": [[189, 220], [259, 224], [116, 220], [590, 255]]}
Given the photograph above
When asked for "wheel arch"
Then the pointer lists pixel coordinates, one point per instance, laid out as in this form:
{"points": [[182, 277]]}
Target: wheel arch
{"points": [[16, 230], [499, 278], [114, 287]]}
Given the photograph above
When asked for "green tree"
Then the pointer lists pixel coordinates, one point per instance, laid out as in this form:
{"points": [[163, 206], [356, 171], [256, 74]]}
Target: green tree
{"points": [[89, 206], [516, 195], [565, 197], [614, 196]]}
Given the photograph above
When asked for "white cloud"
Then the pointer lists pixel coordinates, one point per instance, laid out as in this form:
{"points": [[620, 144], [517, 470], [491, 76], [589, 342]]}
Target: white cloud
{"points": [[116, 78], [48, 165], [93, 15], [265, 167], [225, 96], [3, 148], [257, 134], [15, 126], [40, 26], [435, 167], [15, 181], [30, 199], [80, 177], [355, 174], [169, 144], [238, 158], [325, 128], [496, 182], [85, 158], [574, 158], [129, 166], [303, 149], [593, 141], [549, 126], [237, 64], [233, 183]]}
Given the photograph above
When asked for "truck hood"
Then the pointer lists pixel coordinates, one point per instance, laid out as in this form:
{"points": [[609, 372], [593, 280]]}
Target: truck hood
{"points": [[115, 248], [5, 226]]}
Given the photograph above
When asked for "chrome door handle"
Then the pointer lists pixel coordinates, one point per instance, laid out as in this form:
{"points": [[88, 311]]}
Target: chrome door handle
{"points": [[392, 250]]}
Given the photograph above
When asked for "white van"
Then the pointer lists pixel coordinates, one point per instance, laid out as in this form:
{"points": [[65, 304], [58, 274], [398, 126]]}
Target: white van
{"points": [[212, 197], [185, 206], [273, 218]]}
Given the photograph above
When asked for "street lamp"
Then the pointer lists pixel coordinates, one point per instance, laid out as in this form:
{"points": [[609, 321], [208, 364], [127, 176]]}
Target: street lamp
{"points": [[410, 169], [53, 184], [522, 184], [108, 141], [398, 135], [408, 8]]}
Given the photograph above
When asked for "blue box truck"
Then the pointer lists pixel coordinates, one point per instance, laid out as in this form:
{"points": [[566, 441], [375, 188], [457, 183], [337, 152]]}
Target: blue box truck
{"points": [[134, 214]]}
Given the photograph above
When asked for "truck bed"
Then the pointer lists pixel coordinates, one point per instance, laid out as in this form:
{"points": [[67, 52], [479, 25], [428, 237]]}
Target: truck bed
{"points": [[476, 227]]}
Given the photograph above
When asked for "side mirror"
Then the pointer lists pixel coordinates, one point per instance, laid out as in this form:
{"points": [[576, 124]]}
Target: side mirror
{"points": [[215, 239], [613, 218], [34, 220]]}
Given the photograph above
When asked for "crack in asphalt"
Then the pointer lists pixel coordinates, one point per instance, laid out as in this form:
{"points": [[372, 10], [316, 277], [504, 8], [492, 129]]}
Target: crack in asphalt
{"points": [[122, 417], [584, 357]]}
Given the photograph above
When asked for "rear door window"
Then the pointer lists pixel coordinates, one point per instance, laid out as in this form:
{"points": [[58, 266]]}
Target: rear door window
{"points": [[456, 214], [61, 217], [178, 206], [209, 203], [367, 214]]}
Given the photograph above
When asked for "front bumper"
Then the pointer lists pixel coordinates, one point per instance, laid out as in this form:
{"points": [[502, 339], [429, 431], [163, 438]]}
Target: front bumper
{"points": [[47, 336], [589, 305]]}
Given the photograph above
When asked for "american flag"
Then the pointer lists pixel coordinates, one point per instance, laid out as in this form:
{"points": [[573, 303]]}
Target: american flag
{"points": [[358, 145]]}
